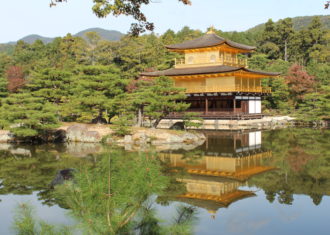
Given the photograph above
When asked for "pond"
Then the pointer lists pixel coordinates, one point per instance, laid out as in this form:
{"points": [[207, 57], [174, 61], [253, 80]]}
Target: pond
{"points": [[237, 182]]}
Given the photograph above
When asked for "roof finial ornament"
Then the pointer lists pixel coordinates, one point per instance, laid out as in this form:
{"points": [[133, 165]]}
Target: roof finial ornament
{"points": [[211, 30]]}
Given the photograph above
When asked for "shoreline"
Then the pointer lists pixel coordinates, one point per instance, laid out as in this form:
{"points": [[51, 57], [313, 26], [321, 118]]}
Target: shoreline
{"points": [[164, 134]]}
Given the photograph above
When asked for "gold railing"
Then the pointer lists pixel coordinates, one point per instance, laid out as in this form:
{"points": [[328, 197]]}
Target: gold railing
{"points": [[181, 63], [203, 89]]}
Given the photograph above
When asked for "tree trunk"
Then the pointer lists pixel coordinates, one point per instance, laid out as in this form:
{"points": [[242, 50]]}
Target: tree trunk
{"points": [[157, 121], [140, 117], [286, 50]]}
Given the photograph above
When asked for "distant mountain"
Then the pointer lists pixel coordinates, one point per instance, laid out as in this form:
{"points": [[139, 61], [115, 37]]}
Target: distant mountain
{"points": [[299, 22], [109, 35], [33, 37]]}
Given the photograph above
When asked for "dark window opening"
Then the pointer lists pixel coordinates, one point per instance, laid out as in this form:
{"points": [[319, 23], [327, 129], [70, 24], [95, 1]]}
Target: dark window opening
{"points": [[238, 104]]}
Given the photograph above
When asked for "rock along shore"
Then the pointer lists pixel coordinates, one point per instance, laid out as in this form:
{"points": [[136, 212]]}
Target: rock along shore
{"points": [[139, 138]]}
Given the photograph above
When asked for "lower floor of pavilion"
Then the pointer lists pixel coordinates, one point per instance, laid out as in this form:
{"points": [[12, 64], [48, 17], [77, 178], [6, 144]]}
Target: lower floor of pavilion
{"points": [[224, 106]]}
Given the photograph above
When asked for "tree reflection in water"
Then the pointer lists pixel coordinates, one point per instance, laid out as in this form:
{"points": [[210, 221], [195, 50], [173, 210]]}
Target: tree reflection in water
{"points": [[302, 157], [116, 192]]}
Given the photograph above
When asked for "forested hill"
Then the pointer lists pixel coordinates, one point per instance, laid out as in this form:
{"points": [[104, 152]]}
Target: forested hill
{"points": [[299, 22], [109, 35], [33, 37]]}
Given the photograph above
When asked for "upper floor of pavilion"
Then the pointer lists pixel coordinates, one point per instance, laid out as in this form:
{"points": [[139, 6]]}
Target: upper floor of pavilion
{"points": [[210, 49]]}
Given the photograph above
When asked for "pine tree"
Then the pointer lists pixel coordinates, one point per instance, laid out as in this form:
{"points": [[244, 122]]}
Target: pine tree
{"points": [[54, 85], [94, 91], [154, 99], [285, 32], [163, 99], [3, 88], [269, 40], [28, 116], [311, 42], [316, 105]]}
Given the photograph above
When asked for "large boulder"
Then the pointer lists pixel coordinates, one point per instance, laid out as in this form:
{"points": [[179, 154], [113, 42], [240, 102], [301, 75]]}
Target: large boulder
{"points": [[86, 133]]}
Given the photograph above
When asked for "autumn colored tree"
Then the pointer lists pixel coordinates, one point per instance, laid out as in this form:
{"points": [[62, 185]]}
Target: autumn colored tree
{"points": [[299, 82], [15, 77]]}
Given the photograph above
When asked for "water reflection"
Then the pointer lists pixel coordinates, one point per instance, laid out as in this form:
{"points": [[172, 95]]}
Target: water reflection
{"points": [[217, 169], [26, 168], [231, 172]]}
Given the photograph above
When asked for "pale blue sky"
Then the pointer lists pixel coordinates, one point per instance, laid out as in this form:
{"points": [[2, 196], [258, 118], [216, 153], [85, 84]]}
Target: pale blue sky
{"points": [[19, 18]]}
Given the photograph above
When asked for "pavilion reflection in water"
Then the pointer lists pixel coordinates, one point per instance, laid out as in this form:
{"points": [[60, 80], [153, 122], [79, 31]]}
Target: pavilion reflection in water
{"points": [[219, 167]]}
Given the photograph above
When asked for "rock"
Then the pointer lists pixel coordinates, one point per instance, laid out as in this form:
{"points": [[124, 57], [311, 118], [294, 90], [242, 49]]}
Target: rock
{"points": [[21, 151], [61, 176], [141, 137], [128, 139], [86, 133], [5, 136]]}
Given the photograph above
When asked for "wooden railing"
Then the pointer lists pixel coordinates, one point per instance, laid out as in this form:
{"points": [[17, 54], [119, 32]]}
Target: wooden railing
{"points": [[181, 63], [203, 89]]}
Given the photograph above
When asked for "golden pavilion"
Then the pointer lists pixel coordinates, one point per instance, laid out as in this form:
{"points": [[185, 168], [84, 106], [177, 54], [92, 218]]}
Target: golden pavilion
{"points": [[220, 167], [216, 77]]}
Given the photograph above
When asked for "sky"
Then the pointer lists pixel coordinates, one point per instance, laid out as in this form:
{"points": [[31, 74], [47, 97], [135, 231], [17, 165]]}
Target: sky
{"points": [[19, 18]]}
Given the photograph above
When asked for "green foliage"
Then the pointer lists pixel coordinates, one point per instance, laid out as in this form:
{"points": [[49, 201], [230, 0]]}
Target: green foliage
{"points": [[191, 120], [87, 80], [279, 40], [122, 125], [31, 168], [302, 158], [154, 99], [7, 49], [299, 23], [163, 99], [103, 8], [93, 92], [26, 224], [316, 105], [28, 116], [53, 85], [5, 61], [100, 199], [320, 71], [3, 88]]}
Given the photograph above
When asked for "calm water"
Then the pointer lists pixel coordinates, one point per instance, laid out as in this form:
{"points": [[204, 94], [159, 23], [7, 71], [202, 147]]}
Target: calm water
{"points": [[270, 182]]}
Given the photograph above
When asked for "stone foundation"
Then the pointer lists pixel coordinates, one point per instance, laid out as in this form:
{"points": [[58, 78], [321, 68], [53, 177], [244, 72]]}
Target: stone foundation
{"points": [[214, 124]]}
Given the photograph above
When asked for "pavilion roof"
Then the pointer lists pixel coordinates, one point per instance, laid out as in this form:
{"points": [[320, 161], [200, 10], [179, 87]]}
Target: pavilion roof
{"points": [[212, 202], [208, 40], [204, 70]]}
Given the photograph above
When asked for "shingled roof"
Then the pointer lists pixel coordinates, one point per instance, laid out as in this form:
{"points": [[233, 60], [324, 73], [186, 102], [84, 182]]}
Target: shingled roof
{"points": [[204, 70], [208, 40]]}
